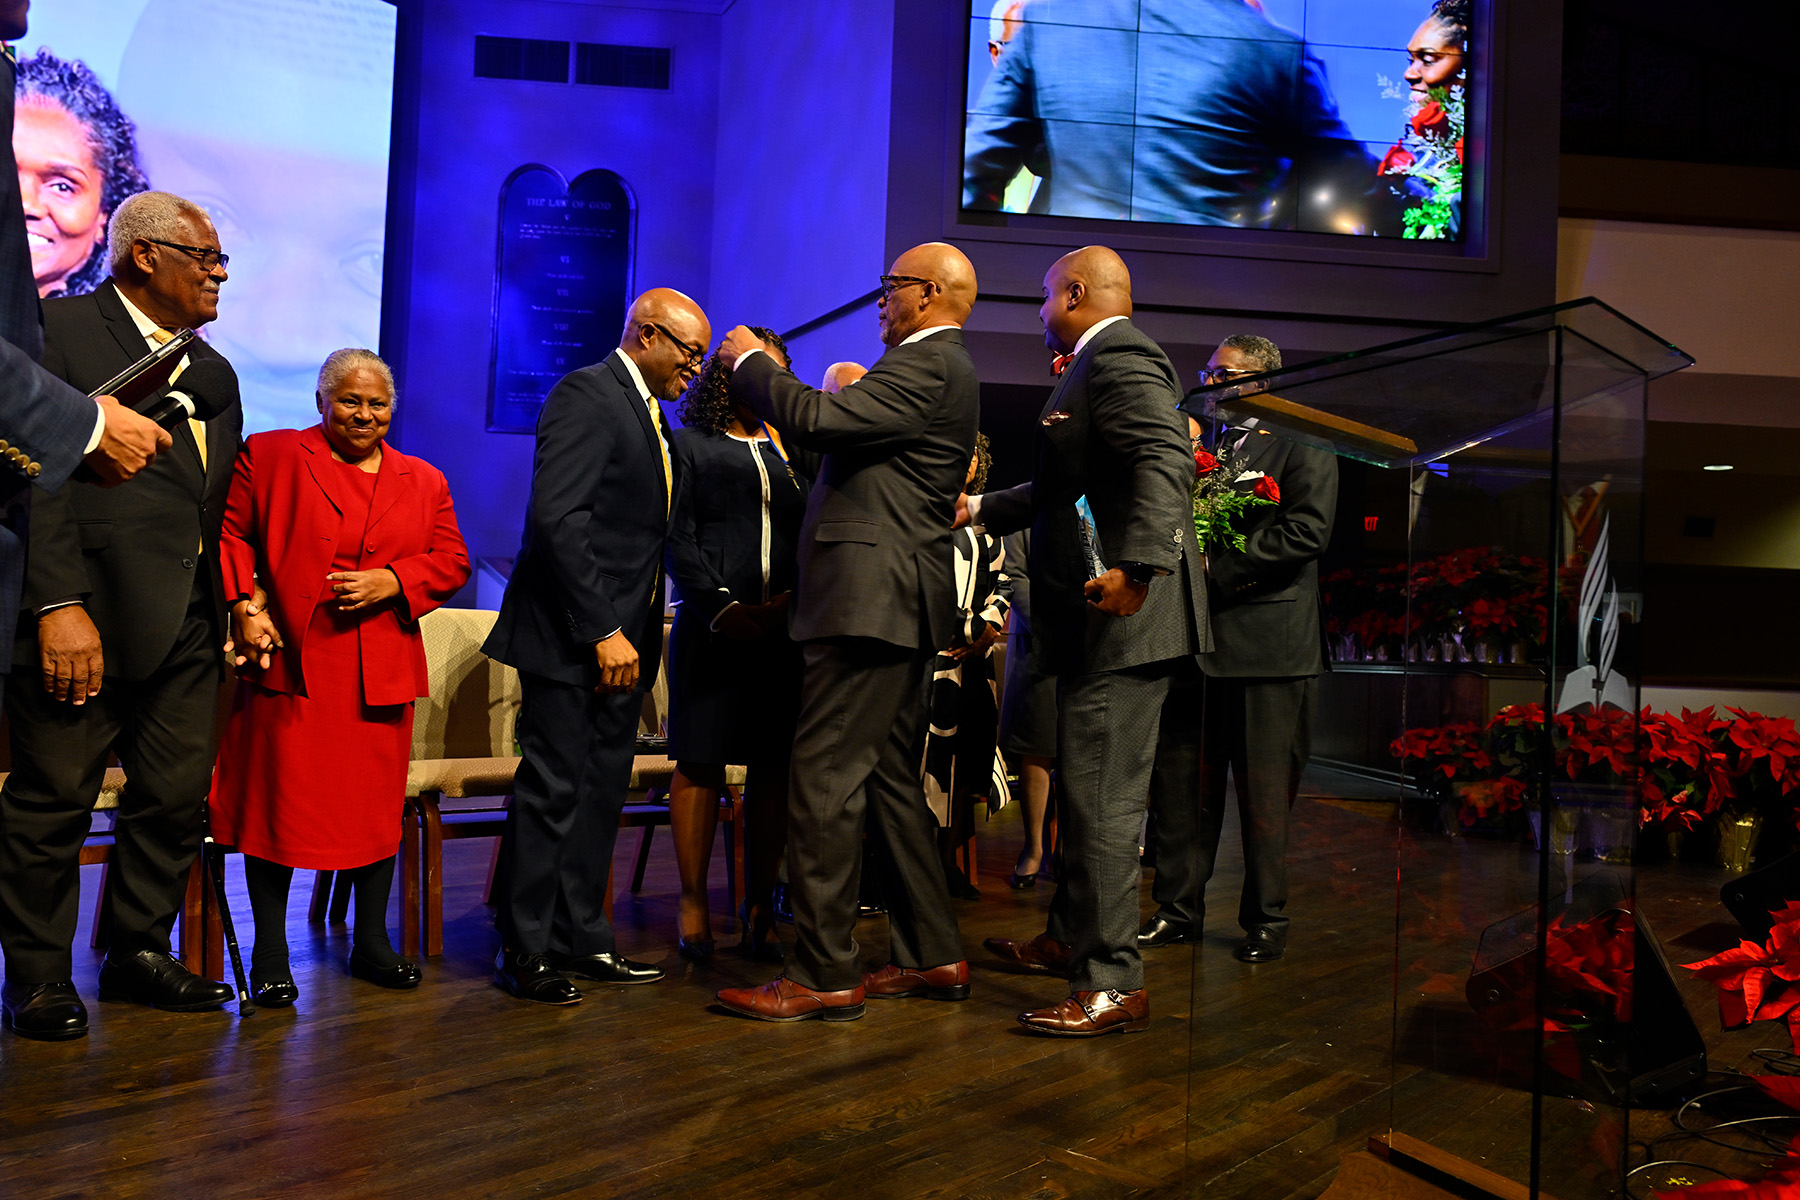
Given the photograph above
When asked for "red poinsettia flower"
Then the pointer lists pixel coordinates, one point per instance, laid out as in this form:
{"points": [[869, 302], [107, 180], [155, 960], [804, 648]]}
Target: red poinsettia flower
{"points": [[1754, 981], [1268, 489], [1431, 118], [1204, 462], [1459, 142], [1397, 162]]}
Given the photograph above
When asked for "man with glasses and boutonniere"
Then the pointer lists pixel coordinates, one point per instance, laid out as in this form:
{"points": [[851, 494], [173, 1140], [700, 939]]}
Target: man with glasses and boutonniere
{"points": [[582, 622], [119, 648]]}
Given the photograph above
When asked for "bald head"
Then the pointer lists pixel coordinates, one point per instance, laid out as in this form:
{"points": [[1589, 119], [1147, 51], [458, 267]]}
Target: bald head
{"points": [[666, 335], [1081, 289], [937, 287]]}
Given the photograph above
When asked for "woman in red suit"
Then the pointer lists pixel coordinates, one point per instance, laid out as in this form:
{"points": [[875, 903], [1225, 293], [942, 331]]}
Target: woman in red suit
{"points": [[353, 542]]}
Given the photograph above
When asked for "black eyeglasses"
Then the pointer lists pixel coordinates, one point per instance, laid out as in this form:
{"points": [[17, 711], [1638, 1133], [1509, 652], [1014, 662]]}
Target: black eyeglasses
{"points": [[1212, 375], [893, 283], [695, 354], [209, 258]]}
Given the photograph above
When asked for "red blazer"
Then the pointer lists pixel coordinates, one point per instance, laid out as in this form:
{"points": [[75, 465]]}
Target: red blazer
{"points": [[282, 525]]}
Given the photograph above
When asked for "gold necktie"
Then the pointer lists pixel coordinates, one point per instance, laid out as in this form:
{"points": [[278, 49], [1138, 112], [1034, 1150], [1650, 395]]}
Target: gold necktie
{"points": [[662, 444], [163, 337]]}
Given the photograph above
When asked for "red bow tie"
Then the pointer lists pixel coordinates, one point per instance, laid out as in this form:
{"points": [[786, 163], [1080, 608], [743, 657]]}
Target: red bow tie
{"points": [[1061, 363]]}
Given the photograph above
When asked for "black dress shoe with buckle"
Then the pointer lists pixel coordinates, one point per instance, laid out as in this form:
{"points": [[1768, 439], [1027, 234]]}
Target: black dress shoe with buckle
{"points": [[531, 977], [1263, 944], [605, 968], [1159, 931], [154, 978], [49, 1012], [275, 993], [400, 977]]}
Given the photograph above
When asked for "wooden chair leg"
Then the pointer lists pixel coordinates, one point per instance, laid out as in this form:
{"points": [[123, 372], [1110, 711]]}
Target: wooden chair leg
{"points": [[101, 931], [212, 950], [321, 897], [607, 904], [967, 854], [193, 921], [339, 912], [409, 879], [734, 850], [643, 859], [431, 819]]}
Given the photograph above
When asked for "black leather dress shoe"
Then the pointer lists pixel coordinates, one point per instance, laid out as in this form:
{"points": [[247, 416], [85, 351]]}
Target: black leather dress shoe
{"points": [[276, 993], [49, 1012], [154, 978], [531, 977], [605, 968], [1262, 944], [400, 977], [1160, 931]]}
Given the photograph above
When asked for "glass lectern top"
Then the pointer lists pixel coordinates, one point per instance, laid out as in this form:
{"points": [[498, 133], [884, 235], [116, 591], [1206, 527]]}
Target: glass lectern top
{"points": [[1452, 390]]}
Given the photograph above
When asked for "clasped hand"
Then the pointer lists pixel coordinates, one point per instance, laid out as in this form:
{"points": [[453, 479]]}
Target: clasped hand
{"points": [[359, 589], [1115, 593], [253, 632]]}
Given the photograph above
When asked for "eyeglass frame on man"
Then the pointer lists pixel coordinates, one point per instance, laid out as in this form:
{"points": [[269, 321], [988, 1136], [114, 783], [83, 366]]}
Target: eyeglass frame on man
{"points": [[218, 257], [695, 354], [893, 283], [1210, 376]]}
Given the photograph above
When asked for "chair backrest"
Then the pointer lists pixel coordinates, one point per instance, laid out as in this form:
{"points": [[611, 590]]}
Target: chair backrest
{"points": [[473, 707], [474, 701]]}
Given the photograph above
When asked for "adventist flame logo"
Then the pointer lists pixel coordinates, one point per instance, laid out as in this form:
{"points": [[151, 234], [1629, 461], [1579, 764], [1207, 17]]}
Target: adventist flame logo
{"points": [[1596, 637]]}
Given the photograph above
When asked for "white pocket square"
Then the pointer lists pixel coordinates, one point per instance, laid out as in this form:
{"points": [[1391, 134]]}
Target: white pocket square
{"points": [[1243, 475]]}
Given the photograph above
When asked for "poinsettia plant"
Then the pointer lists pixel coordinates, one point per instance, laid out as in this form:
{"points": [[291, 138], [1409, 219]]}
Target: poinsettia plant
{"points": [[1218, 503], [1757, 983]]}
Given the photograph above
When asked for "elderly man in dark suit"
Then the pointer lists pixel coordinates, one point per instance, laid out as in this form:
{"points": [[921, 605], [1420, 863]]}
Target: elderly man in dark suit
{"points": [[1119, 612], [1217, 119], [124, 620], [582, 621], [1260, 683], [874, 604]]}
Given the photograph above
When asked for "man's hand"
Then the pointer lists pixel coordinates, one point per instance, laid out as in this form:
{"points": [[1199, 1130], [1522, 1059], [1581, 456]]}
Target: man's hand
{"points": [[128, 444], [360, 589], [69, 649], [773, 615], [1115, 593], [739, 623], [618, 660], [979, 647], [253, 632], [962, 511], [739, 342]]}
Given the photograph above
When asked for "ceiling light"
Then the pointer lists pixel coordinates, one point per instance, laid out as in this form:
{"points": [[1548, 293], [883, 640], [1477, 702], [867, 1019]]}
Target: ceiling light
{"points": [[1716, 467]]}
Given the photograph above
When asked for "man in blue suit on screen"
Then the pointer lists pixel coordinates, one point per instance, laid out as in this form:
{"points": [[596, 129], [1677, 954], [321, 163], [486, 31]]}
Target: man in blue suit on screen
{"points": [[1197, 112]]}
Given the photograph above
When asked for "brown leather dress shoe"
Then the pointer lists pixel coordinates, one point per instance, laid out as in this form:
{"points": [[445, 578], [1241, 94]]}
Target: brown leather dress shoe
{"points": [[781, 999], [1090, 1014], [895, 982], [1043, 953]]}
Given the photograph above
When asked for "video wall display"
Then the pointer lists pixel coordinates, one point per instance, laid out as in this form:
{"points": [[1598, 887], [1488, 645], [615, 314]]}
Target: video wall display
{"points": [[272, 116], [1325, 116]]}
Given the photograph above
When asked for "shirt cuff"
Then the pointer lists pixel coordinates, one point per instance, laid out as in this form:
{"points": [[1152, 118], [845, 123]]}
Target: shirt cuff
{"points": [[746, 354], [93, 442], [54, 605], [974, 507], [715, 621]]}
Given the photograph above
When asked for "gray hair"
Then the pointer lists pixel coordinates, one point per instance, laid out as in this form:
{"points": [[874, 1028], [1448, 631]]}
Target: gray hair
{"points": [[340, 363], [1266, 355], [144, 217]]}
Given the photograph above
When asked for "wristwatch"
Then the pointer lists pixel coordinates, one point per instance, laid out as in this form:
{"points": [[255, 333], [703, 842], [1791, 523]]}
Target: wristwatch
{"points": [[1139, 573]]}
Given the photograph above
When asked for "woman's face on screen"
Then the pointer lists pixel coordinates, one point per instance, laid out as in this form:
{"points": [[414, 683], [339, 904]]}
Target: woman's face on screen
{"points": [[61, 185], [1434, 56]]}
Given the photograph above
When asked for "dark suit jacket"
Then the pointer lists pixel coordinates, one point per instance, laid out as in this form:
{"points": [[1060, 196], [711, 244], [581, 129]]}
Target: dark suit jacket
{"points": [[44, 419], [1265, 599], [1198, 123], [875, 545], [129, 553], [1110, 432], [590, 560], [283, 525]]}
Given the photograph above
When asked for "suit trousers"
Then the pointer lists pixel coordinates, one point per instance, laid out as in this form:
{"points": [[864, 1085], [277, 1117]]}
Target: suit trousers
{"points": [[163, 730], [1110, 727], [857, 756], [1261, 730], [577, 745]]}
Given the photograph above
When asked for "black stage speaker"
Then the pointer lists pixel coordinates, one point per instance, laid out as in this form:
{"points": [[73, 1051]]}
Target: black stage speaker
{"points": [[1754, 896], [1645, 1060]]}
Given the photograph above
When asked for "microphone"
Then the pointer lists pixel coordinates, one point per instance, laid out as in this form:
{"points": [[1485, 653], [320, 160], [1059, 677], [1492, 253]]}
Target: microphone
{"points": [[207, 388]]}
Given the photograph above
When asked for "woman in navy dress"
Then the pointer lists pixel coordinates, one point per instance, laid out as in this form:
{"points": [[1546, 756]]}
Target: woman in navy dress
{"points": [[734, 686]]}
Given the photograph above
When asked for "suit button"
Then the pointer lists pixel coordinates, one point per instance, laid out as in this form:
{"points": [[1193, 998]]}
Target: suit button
{"points": [[3, 446], [370, 547], [34, 470], [188, 563]]}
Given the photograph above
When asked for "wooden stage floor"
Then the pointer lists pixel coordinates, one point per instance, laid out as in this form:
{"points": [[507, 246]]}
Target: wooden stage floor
{"points": [[458, 1090]]}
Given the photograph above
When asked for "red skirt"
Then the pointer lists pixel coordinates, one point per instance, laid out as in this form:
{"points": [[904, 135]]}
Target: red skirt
{"points": [[315, 781]]}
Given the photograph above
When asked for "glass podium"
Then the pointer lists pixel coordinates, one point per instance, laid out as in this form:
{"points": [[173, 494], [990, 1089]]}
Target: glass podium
{"points": [[1484, 620]]}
